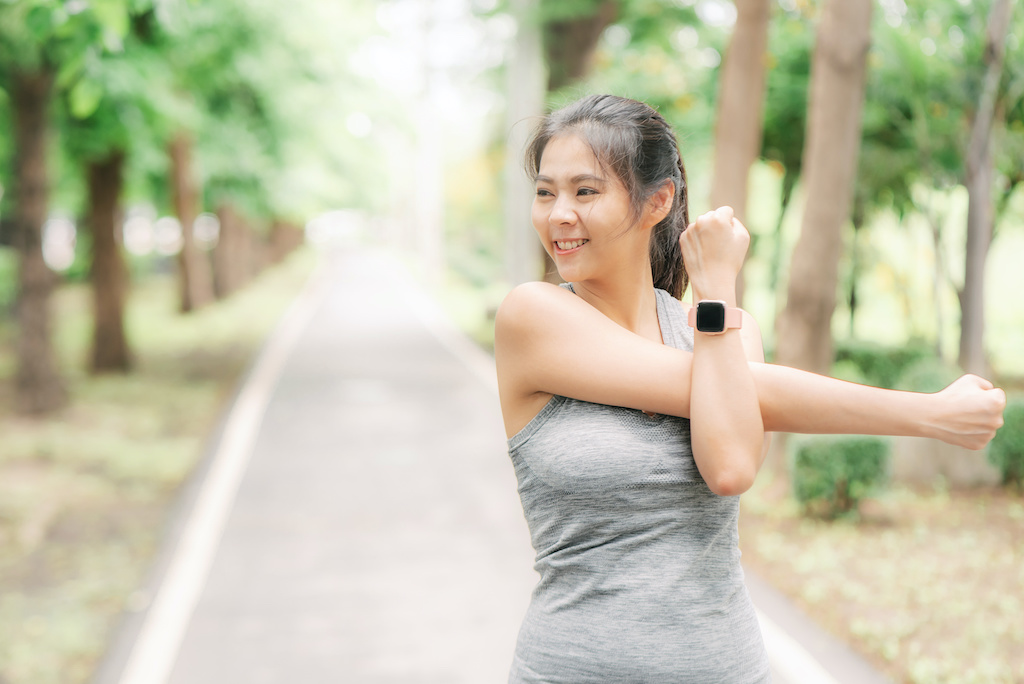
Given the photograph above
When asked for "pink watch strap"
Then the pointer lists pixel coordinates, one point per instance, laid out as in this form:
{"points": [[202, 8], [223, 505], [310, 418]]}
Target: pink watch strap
{"points": [[733, 317]]}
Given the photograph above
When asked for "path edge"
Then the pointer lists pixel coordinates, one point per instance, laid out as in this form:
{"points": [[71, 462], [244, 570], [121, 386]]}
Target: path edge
{"points": [[145, 640]]}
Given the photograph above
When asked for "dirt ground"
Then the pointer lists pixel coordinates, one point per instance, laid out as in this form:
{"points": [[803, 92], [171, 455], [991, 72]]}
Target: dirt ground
{"points": [[928, 584]]}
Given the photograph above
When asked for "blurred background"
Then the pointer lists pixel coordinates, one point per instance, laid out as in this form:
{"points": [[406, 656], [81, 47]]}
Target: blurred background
{"points": [[169, 170]]}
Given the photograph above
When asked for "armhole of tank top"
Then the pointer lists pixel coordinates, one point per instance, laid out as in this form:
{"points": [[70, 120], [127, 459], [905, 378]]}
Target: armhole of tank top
{"points": [[520, 438], [674, 326]]}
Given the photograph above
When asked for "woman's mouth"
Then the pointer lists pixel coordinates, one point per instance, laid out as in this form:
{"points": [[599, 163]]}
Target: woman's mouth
{"points": [[567, 246]]}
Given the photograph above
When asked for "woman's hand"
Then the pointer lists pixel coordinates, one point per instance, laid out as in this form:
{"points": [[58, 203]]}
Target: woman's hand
{"points": [[968, 412], [714, 247]]}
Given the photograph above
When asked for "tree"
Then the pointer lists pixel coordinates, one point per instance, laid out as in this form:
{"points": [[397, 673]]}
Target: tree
{"points": [[39, 386], [195, 282], [978, 172], [830, 162], [110, 351], [740, 96], [570, 35], [109, 114], [43, 48]]}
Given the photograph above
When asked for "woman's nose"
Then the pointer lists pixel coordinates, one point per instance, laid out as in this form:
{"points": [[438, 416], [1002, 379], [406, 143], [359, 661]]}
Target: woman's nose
{"points": [[563, 211]]}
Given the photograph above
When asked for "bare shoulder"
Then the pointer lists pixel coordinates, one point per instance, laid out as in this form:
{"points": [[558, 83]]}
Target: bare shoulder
{"points": [[548, 341], [528, 306], [526, 318]]}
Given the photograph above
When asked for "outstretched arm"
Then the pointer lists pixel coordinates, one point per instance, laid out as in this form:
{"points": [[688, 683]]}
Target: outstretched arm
{"points": [[967, 413]]}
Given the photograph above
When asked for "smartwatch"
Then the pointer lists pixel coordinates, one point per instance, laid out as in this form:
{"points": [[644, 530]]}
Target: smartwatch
{"points": [[713, 317]]}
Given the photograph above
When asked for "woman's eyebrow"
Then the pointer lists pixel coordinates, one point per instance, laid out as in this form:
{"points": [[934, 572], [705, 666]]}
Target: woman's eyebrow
{"points": [[581, 178]]}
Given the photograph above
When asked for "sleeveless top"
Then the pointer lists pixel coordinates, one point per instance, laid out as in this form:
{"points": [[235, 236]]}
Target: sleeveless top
{"points": [[640, 577]]}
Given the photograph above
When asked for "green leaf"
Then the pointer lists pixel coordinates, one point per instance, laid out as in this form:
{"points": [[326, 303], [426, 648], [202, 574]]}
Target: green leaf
{"points": [[39, 22], [71, 69], [85, 98], [112, 16]]}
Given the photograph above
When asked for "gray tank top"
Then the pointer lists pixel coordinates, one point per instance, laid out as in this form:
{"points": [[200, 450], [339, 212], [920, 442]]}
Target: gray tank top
{"points": [[640, 577]]}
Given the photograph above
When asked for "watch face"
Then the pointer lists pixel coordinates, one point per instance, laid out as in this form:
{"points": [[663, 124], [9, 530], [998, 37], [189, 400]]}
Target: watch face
{"points": [[710, 316]]}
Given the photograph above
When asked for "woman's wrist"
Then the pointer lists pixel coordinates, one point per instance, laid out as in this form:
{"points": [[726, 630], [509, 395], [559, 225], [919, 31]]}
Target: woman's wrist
{"points": [[725, 293], [928, 415]]}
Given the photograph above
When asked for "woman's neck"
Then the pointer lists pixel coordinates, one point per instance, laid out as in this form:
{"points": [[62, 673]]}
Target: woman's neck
{"points": [[627, 298]]}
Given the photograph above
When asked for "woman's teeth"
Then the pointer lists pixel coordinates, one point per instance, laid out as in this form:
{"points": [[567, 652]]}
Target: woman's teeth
{"points": [[570, 244]]}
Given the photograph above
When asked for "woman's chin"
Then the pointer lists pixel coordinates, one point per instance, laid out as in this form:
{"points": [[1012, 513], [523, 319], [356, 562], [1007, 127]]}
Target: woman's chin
{"points": [[569, 275]]}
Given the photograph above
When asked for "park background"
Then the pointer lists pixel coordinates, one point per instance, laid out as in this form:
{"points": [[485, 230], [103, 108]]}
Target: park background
{"points": [[271, 132]]}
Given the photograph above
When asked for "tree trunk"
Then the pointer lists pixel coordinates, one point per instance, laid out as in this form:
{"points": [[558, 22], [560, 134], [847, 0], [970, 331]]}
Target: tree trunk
{"points": [[525, 90], [285, 237], [569, 45], [830, 165], [979, 171], [231, 253], [788, 184], [39, 387], [195, 283], [855, 266], [739, 124], [938, 280], [109, 279]]}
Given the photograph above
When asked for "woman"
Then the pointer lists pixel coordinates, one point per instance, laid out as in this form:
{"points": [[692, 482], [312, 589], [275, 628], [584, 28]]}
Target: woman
{"points": [[633, 508]]}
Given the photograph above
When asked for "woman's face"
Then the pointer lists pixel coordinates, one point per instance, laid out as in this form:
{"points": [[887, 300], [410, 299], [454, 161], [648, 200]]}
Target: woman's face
{"points": [[582, 211]]}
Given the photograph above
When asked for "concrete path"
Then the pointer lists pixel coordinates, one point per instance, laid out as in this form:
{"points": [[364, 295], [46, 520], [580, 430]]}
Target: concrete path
{"points": [[357, 519]]}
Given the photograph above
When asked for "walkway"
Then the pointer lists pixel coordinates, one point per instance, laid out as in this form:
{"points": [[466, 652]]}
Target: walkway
{"points": [[357, 519]]}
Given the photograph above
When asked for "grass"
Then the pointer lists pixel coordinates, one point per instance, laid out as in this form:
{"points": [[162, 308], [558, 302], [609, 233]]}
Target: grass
{"points": [[84, 494], [928, 584]]}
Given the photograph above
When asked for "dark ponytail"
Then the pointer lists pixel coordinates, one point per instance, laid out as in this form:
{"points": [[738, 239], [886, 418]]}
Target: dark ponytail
{"points": [[638, 145]]}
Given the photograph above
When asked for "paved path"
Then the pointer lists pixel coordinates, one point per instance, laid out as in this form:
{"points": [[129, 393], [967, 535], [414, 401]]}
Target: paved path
{"points": [[357, 520]]}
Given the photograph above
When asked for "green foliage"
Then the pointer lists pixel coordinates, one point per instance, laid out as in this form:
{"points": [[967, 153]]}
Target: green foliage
{"points": [[929, 374], [790, 40], [8, 279], [1006, 452], [831, 475], [880, 366], [664, 62]]}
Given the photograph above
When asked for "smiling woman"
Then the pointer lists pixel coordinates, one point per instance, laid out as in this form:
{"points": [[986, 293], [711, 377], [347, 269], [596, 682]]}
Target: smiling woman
{"points": [[631, 432]]}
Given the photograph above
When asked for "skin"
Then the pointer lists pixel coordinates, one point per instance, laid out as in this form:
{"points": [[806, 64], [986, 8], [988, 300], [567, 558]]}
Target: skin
{"points": [[604, 343]]}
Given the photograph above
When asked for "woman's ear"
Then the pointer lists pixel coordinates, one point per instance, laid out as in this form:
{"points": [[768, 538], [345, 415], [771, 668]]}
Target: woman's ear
{"points": [[660, 203]]}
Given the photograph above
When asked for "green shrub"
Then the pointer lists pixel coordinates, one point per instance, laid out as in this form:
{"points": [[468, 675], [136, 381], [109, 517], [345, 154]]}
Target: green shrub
{"points": [[1006, 452], [832, 474], [880, 366], [849, 371], [928, 375]]}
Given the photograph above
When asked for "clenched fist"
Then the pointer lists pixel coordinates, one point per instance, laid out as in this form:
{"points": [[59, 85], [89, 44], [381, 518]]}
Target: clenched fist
{"points": [[714, 247]]}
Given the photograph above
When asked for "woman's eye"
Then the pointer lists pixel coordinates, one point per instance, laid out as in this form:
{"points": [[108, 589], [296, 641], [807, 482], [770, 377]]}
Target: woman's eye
{"points": [[586, 191], [541, 192]]}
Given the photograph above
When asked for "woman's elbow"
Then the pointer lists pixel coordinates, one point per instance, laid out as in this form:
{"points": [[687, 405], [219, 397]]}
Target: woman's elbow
{"points": [[731, 481]]}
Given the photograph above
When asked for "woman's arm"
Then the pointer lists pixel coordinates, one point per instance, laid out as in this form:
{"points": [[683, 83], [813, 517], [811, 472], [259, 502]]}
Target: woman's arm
{"points": [[549, 341], [967, 413], [726, 427]]}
